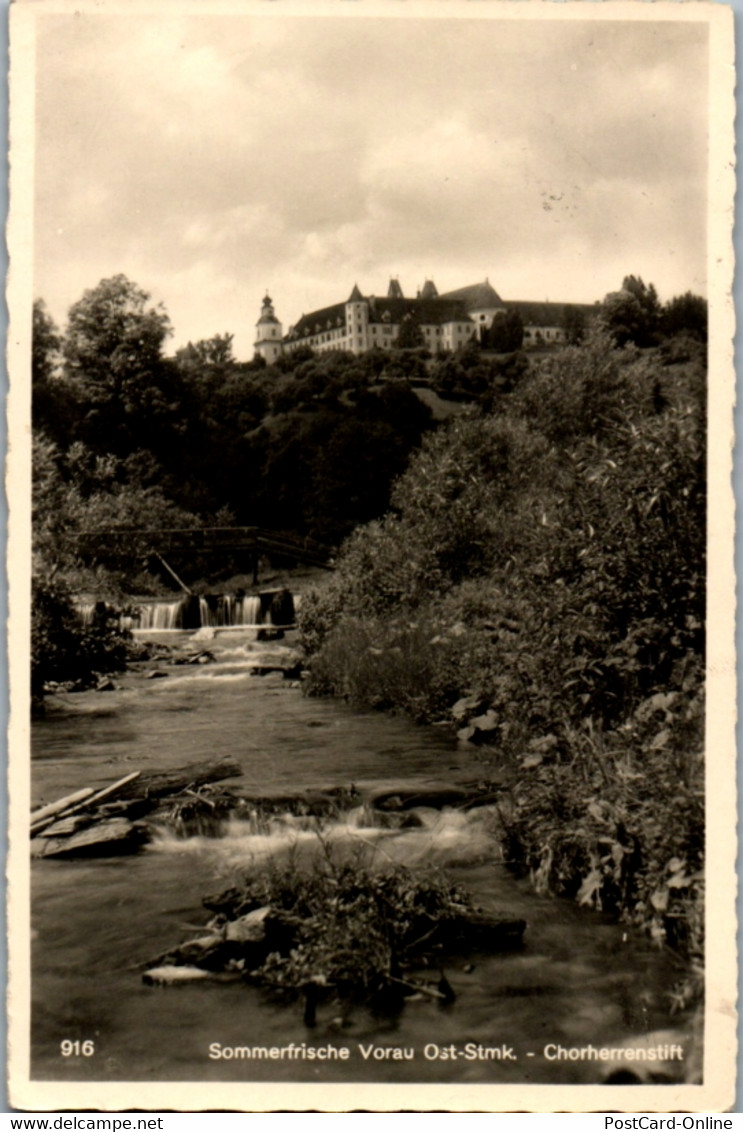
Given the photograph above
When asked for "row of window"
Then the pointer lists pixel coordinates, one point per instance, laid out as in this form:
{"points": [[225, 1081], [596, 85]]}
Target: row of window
{"points": [[553, 335], [338, 336]]}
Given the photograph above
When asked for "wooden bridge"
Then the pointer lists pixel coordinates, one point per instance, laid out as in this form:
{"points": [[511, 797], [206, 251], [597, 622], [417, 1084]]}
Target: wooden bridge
{"points": [[192, 542]]}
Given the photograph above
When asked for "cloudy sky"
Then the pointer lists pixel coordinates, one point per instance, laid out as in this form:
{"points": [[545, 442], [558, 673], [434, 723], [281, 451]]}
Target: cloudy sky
{"points": [[211, 157]]}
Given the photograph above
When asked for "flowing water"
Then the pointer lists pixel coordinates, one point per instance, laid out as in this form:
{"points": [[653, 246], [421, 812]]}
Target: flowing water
{"points": [[578, 980]]}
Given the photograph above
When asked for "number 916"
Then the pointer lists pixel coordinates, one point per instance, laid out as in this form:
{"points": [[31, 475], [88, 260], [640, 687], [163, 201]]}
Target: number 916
{"points": [[76, 1049]]}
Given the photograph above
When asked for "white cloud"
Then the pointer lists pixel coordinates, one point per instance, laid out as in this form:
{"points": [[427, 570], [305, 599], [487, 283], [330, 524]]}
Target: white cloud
{"points": [[212, 157]]}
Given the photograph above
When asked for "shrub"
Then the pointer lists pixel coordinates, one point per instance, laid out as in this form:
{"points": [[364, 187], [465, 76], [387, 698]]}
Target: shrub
{"points": [[541, 582], [353, 929], [63, 648]]}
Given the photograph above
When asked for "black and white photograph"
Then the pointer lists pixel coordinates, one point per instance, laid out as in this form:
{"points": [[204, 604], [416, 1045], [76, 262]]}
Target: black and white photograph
{"points": [[371, 556]]}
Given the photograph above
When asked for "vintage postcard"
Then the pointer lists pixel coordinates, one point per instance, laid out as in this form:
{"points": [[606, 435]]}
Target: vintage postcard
{"points": [[371, 556]]}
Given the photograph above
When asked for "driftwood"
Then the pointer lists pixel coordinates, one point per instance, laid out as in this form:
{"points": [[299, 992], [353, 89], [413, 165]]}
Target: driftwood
{"points": [[110, 838], [96, 823], [89, 801], [64, 827], [168, 976], [157, 784], [61, 804]]}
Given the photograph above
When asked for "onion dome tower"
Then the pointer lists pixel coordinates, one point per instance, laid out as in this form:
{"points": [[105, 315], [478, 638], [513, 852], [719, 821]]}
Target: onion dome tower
{"points": [[268, 341]]}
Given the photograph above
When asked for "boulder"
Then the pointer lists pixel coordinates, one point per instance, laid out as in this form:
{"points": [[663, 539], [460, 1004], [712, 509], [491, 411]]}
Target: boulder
{"points": [[250, 928], [409, 795], [479, 729]]}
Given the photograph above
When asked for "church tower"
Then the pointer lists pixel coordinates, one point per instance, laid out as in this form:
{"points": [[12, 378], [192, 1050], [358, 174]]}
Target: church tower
{"points": [[268, 333]]}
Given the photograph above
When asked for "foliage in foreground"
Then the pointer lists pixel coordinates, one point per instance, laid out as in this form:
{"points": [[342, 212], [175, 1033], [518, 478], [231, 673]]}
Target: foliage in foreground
{"points": [[63, 649], [540, 585], [618, 823], [350, 929]]}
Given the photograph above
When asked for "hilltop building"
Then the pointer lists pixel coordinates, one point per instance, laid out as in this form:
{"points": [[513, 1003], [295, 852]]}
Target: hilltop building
{"points": [[439, 322], [268, 339]]}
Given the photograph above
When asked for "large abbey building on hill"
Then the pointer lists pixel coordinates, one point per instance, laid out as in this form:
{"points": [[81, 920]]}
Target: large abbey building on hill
{"points": [[445, 322]]}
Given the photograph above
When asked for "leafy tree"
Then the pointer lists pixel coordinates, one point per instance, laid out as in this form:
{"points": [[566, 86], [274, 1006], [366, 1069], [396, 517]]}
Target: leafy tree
{"points": [[207, 362], [633, 314], [112, 336], [573, 322], [448, 377], [686, 314], [410, 336], [113, 360], [62, 647], [506, 334], [46, 343], [646, 295], [52, 401]]}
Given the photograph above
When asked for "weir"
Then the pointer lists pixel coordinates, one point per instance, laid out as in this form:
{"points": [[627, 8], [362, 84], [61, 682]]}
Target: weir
{"points": [[271, 608]]}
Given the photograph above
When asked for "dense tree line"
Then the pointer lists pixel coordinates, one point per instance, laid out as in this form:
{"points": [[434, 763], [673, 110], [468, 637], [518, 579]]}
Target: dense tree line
{"points": [[635, 315], [129, 436], [311, 445]]}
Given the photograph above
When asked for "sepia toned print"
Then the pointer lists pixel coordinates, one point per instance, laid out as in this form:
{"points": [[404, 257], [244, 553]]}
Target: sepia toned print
{"points": [[371, 550]]}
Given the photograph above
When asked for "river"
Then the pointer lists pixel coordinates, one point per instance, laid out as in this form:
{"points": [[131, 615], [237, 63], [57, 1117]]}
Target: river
{"points": [[578, 980]]}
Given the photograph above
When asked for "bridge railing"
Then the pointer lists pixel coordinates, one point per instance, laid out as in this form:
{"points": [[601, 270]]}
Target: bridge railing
{"points": [[140, 542]]}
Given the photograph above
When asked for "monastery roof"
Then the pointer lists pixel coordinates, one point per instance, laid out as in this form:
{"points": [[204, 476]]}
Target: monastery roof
{"points": [[546, 314], [317, 321], [478, 296], [429, 312], [430, 309]]}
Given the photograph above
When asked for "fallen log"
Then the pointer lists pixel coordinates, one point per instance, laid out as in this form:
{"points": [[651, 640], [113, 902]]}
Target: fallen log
{"points": [[65, 826], [417, 988], [168, 975], [89, 800], [61, 804], [159, 783]]}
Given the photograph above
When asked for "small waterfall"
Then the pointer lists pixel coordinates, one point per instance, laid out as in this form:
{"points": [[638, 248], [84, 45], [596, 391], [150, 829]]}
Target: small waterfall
{"points": [[272, 607], [86, 612], [412, 837], [205, 613], [162, 615], [249, 611]]}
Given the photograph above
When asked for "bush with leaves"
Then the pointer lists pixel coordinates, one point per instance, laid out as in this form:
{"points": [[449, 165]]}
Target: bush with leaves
{"points": [[63, 648], [350, 929], [540, 579]]}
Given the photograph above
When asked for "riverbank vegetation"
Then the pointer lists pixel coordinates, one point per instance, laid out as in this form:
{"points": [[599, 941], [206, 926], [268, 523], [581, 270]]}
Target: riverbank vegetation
{"points": [[529, 571], [539, 585], [65, 650], [338, 930]]}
